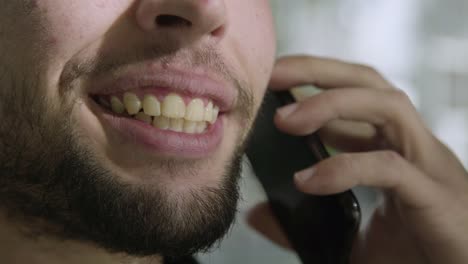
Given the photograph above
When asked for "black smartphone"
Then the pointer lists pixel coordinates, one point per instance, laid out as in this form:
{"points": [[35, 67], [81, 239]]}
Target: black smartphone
{"points": [[321, 229]]}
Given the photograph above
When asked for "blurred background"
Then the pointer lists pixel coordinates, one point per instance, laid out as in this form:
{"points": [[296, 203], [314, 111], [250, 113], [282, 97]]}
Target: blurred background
{"points": [[419, 45]]}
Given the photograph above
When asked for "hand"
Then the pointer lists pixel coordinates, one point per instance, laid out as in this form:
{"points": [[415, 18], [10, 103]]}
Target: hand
{"points": [[423, 217]]}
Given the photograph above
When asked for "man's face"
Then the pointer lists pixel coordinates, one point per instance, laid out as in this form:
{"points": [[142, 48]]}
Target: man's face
{"points": [[109, 129]]}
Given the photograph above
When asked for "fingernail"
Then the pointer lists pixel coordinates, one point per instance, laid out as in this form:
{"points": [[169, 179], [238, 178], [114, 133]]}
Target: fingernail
{"points": [[286, 111], [304, 175]]}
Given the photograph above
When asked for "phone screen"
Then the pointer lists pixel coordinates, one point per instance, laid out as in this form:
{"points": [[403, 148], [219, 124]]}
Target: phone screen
{"points": [[320, 228]]}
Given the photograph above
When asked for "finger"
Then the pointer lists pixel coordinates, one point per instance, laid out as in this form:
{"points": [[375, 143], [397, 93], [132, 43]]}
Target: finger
{"points": [[390, 111], [350, 136], [324, 73], [399, 126], [381, 169], [261, 218]]}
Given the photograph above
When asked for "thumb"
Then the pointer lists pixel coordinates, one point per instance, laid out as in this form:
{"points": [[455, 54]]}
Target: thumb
{"points": [[262, 219]]}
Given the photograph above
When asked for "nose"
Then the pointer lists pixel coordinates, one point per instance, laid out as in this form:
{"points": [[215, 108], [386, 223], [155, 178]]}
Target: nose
{"points": [[191, 19]]}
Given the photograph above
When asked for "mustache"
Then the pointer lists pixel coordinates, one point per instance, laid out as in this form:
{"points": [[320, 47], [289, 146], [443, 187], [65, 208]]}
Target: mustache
{"points": [[207, 58]]}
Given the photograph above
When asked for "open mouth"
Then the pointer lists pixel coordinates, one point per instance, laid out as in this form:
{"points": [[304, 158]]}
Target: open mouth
{"points": [[167, 113], [171, 111]]}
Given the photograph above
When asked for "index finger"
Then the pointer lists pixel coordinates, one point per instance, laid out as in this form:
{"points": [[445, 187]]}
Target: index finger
{"points": [[324, 73]]}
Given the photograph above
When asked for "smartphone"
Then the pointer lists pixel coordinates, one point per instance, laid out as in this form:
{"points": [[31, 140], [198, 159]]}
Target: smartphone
{"points": [[321, 229]]}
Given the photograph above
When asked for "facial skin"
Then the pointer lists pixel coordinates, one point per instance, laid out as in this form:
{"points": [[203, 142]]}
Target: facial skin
{"points": [[66, 172]]}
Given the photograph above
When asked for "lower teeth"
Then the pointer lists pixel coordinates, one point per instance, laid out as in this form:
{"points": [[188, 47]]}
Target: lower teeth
{"points": [[173, 124]]}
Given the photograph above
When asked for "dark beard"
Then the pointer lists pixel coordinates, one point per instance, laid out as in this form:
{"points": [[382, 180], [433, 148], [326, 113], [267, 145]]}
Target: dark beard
{"points": [[54, 186], [142, 221]]}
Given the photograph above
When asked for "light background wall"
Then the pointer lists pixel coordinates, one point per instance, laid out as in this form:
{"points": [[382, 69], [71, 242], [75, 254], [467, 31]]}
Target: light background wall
{"points": [[419, 45]]}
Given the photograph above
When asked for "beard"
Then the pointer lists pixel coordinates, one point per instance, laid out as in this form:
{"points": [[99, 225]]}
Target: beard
{"points": [[53, 183]]}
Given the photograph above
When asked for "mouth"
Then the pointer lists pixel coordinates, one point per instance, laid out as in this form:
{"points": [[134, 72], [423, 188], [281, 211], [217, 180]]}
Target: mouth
{"points": [[171, 112], [181, 121]]}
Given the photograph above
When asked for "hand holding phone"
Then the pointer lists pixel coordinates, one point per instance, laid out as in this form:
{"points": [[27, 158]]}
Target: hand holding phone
{"points": [[321, 229], [424, 200]]}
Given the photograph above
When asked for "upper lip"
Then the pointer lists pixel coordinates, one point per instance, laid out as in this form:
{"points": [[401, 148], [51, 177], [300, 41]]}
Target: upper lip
{"points": [[221, 92]]}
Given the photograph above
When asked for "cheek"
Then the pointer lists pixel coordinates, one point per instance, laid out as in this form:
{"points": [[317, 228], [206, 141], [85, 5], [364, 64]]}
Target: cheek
{"points": [[254, 41], [70, 26]]}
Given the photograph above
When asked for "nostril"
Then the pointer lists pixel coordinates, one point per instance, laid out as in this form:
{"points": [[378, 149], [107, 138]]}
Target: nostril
{"points": [[172, 21]]}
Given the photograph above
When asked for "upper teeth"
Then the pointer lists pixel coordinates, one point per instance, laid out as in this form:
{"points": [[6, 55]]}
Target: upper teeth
{"points": [[132, 103], [151, 106], [170, 112], [173, 106], [117, 105]]}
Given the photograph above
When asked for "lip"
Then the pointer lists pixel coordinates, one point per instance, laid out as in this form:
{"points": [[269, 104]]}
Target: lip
{"points": [[196, 83], [186, 83], [162, 142]]}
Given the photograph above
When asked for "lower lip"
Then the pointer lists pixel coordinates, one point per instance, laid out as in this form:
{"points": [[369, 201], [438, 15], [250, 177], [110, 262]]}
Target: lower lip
{"points": [[165, 142]]}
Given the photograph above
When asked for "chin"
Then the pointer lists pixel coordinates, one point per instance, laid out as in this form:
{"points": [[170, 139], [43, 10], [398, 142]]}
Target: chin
{"points": [[142, 205]]}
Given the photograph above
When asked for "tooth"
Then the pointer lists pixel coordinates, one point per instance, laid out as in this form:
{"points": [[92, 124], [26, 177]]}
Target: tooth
{"points": [[215, 114], [208, 112], [117, 105], [190, 127], [195, 110], [161, 122], [132, 103], [201, 127], [173, 106], [177, 124], [144, 117], [151, 106]]}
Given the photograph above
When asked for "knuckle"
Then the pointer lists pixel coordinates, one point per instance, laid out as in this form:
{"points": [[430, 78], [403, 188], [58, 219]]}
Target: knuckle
{"points": [[399, 95], [347, 162], [393, 161], [328, 102], [368, 71], [371, 76], [390, 157], [400, 101], [328, 97]]}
